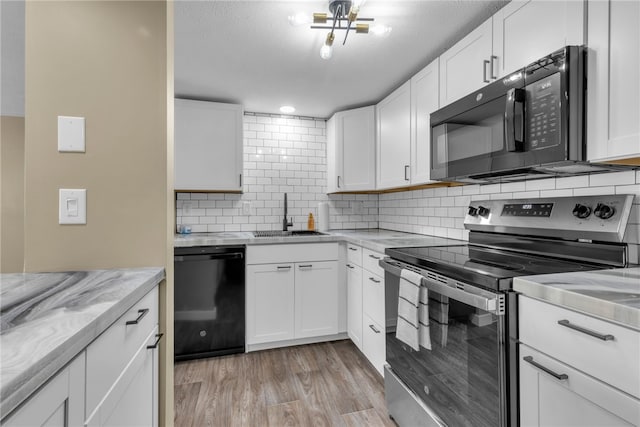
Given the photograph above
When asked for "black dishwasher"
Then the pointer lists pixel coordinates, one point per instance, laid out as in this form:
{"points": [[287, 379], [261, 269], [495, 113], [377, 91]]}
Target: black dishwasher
{"points": [[209, 301]]}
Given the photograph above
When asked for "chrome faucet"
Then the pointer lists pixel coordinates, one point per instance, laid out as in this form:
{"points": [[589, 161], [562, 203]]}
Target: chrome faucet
{"points": [[286, 224]]}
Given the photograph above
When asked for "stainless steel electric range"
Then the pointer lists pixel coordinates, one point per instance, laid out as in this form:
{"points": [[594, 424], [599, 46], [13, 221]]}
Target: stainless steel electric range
{"points": [[469, 376]]}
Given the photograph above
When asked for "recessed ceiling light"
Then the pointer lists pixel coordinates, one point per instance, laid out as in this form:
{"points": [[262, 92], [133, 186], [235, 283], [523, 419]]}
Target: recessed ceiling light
{"points": [[287, 109]]}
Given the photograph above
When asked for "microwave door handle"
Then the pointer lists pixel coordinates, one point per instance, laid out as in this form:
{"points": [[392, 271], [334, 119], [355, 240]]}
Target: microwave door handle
{"points": [[514, 120]]}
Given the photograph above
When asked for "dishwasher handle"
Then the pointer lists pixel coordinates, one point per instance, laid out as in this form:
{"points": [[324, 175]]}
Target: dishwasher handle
{"points": [[208, 257]]}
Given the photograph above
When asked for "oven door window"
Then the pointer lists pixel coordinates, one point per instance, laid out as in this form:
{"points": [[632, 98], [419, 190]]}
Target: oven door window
{"points": [[460, 377], [467, 143]]}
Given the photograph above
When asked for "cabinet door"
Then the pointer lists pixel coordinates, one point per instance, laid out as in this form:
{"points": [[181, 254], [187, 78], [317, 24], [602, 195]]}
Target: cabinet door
{"points": [[465, 67], [394, 138], [424, 101], [316, 299], [132, 399], [270, 303], [373, 343], [574, 400], [357, 146], [334, 161], [518, 40], [354, 304], [613, 128], [208, 146], [60, 402]]}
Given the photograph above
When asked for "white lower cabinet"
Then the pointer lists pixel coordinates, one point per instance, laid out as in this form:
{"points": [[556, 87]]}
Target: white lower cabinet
{"points": [[354, 303], [575, 369], [365, 304], [293, 299], [112, 382], [59, 403]]}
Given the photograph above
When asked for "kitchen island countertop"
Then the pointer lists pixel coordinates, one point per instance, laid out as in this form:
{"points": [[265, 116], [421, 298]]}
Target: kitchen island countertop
{"points": [[49, 318], [609, 294], [373, 239]]}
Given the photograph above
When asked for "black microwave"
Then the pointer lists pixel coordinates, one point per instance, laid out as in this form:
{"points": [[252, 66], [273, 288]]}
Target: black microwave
{"points": [[528, 124]]}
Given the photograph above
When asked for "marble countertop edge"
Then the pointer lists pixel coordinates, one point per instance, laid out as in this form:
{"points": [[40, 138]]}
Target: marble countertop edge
{"points": [[19, 388]]}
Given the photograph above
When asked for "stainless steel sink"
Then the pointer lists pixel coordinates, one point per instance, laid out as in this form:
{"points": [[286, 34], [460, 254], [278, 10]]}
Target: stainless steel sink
{"points": [[291, 233]]}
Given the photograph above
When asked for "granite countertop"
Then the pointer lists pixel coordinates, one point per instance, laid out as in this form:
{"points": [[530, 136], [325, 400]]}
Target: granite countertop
{"points": [[49, 318], [609, 294], [374, 239]]}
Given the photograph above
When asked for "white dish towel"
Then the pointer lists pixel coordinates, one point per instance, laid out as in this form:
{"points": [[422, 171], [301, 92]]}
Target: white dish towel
{"points": [[408, 327]]}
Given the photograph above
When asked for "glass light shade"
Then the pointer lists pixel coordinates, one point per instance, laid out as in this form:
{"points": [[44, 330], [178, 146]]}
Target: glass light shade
{"points": [[287, 109], [326, 52], [380, 30], [299, 18]]}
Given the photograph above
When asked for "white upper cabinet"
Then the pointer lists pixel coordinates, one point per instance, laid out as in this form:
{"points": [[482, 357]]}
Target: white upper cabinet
{"points": [[351, 150], [613, 110], [424, 101], [527, 30], [393, 123], [466, 66], [208, 146]]}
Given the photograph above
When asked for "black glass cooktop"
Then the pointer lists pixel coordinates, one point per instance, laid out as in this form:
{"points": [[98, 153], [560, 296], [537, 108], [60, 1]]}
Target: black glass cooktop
{"points": [[483, 266]]}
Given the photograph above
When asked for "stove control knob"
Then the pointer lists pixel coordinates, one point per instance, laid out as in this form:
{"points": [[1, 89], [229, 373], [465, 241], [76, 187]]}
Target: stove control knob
{"points": [[483, 212], [581, 211], [603, 211], [472, 211]]}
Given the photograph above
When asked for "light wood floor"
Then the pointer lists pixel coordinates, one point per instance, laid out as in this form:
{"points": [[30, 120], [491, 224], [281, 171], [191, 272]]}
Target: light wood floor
{"points": [[327, 384]]}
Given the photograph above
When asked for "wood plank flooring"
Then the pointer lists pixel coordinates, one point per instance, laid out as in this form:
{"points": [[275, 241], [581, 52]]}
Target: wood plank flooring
{"points": [[326, 384]]}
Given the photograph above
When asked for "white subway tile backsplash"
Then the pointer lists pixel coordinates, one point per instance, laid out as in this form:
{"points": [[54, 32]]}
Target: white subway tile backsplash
{"points": [[540, 184], [616, 178]]}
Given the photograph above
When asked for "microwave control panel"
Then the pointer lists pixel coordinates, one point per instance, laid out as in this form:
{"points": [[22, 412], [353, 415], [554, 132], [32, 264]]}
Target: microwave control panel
{"points": [[543, 112]]}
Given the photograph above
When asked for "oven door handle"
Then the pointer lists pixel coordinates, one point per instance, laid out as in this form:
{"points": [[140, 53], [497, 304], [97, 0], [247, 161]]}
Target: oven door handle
{"points": [[473, 296]]}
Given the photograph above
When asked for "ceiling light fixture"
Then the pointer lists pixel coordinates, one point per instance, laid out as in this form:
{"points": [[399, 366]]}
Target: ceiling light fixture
{"points": [[344, 16], [287, 109]]}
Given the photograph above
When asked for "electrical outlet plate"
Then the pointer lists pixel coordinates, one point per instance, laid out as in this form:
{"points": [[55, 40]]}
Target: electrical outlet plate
{"points": [[71, 134], [246, 208], [357, 207]]}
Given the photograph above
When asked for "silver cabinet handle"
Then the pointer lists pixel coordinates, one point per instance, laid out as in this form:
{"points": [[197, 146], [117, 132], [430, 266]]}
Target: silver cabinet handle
{"points": [[557, 376], [406, 175], [374, 280], [603, 337], [338, 179], [155, 344], [141, 313], [350, 266], [373, 256], [240, 180], [374, 329], [493, 59], [484, 70], [305, 266], [352, 248], [284, 267]]}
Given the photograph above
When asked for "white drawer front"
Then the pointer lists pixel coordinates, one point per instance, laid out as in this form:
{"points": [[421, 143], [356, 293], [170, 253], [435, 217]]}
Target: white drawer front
{"points": [[614, 361], [373, 296], [370, 261], [109, 354], [293, 252], [354, 254], [373, 345]]}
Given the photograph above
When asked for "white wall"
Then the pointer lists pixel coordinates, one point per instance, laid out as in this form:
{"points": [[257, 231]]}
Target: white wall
{"points": [[281, 155]]}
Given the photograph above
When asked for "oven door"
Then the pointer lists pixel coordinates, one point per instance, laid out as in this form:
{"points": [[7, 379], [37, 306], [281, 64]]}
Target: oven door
{"points": [[462, 379]]}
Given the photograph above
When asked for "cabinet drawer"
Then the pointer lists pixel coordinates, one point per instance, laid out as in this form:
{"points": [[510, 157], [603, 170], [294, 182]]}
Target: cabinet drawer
{"points": [[373, 343], [292, 252], [551, 329], [354, 254], [373, 297], [552, 393], [110, 353], [370, 261]]}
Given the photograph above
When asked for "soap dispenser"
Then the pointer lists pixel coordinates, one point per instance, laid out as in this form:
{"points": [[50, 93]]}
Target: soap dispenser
{"points": [[311, 223]]}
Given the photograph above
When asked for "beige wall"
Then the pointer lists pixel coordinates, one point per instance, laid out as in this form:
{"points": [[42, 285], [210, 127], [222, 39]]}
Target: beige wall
{"points": [[105, 61], [12, 194]]}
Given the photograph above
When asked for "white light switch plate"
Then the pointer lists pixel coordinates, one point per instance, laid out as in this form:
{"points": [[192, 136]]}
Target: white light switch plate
{"points": [[246, 208], [72, 206], [71, 134]]}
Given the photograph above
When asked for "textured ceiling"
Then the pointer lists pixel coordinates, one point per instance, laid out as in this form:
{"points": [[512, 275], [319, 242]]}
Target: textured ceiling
{"points": [[246, 52]]}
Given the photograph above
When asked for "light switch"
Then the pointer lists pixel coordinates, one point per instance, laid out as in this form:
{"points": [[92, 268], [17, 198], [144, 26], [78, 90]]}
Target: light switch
{"points": [[72, 206], [71, 134], [246, 208]]}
